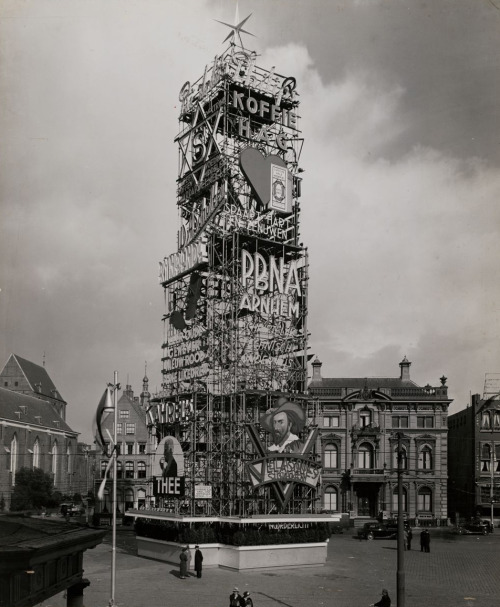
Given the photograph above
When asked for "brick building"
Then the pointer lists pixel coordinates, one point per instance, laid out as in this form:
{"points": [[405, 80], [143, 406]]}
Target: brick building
{"points": [[133, 461], [474, 459], [359, 419], [33, 430]]}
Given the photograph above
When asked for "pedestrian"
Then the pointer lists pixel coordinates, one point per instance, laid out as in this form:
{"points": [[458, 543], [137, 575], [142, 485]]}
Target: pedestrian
{"points": [[422, 540], [247, 600], [183, 557], [189, 559], [427, 543], [235, 599], [198, 560], [409, 538], [385, 601]]}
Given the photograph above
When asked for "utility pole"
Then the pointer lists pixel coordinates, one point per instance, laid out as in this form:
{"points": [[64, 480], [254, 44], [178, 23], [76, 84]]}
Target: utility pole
{"points": [[400, 575], [492, 486]]}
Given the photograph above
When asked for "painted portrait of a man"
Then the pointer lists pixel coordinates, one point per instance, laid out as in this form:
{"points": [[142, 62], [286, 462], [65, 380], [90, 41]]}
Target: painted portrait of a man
{"points": [[168, 460], [285, 421]]}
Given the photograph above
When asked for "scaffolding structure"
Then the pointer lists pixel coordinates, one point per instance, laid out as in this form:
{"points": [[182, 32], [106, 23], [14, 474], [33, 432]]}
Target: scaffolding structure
{"points": [[235, 322]]}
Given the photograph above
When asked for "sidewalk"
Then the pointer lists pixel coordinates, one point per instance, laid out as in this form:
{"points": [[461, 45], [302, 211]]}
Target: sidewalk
{"points": [[459, 571]]}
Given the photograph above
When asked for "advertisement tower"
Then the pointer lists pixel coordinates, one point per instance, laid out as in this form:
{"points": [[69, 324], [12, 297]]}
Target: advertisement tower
{"points": [[235, 322]]}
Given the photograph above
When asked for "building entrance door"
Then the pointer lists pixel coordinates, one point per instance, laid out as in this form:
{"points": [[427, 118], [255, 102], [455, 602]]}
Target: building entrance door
{"points": [[363, 506]]}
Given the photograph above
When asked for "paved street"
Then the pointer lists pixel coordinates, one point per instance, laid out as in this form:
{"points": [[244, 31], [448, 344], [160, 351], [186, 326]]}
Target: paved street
{"points": [[459, 571]]}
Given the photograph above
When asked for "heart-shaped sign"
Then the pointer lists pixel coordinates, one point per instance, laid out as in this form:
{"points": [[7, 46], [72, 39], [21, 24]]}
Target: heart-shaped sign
{"points": [[269, 178]]}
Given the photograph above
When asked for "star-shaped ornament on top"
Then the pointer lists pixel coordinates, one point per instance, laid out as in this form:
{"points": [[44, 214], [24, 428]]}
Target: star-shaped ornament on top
{"points": [[237, 30]]}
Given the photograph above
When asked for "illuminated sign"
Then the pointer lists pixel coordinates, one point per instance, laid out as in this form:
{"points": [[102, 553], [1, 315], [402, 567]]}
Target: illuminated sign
{"points": [[271, 286], [184, 261], [269, 178], [169, 487]]}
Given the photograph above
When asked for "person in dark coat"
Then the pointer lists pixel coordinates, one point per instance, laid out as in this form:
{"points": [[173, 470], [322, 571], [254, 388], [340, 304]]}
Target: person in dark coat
{"points": [[409, 538], [198, 560], [427, 541], [235, 599], [183, 557], [385, 601], [422, 540], [247, 599]]}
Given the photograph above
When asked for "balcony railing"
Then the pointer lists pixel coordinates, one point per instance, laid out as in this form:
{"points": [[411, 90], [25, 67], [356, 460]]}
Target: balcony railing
{"points": [[364, 471]]}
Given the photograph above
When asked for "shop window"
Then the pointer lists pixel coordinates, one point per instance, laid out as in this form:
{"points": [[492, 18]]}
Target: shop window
{"points": [[331, 456]]}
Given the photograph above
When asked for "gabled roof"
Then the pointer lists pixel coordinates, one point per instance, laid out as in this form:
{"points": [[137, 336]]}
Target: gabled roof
{"points": [[372, 383], [35, 412], [135, 404], [38, 378]]}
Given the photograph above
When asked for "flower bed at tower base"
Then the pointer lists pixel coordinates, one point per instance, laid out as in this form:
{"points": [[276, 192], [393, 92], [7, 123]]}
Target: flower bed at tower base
{"points": [[239, 558], [261, 542]]}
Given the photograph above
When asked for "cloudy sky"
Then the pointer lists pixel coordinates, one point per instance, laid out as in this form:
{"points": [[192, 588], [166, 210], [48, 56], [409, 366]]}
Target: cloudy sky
{"points": [[401, 193]]}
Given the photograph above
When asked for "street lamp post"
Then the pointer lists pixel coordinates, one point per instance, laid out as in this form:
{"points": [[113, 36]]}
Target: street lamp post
{"points": [[400, 574], [116, 387]]}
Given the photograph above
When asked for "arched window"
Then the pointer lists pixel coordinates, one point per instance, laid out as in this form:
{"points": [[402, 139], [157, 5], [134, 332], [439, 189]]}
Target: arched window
{"points": [[104, 465], [331, 456], [331, 498], [141, 470], [395, 500], [55, 453], [485, 420], [36, 453], [365, 456], [119, 469], [141, 498], [424, 500], [68, 461], [13, 458], [404, 458], [129, 498], [129, 469], [425, 458]]}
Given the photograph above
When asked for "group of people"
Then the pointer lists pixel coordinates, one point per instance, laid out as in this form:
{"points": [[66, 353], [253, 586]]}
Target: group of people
{"points": [[185, 561], [238, 600]]}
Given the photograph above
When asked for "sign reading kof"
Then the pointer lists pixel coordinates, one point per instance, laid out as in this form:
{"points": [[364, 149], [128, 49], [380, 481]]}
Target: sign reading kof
{"points": [[286, 462]]}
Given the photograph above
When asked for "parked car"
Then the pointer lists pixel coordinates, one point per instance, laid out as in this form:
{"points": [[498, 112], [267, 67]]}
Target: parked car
{"points": [[474, 527], [70, 509], [371, 531]]}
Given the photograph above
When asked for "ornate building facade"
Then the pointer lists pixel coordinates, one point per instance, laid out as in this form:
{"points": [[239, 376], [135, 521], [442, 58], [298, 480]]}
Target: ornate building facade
{"points": [[133, 463], [360, 419]]}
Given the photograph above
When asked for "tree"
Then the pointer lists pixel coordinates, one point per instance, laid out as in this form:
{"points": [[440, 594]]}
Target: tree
{"points": [[33, 489]]}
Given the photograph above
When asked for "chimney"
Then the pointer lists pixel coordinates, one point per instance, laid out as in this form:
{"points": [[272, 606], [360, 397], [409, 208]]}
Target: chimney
{"points": [[316, 365], [405, 369]]}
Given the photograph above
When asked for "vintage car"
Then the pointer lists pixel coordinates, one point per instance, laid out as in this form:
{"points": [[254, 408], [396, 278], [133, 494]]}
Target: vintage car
{"points": [[371, 531], [474, 527]]}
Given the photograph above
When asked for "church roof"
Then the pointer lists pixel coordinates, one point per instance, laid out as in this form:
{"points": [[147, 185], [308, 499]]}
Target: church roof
{"points": [[38, 378], [30, 410]]}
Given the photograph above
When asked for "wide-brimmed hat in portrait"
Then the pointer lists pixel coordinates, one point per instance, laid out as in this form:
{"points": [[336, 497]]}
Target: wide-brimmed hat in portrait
{"points": [[296, 414]]}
